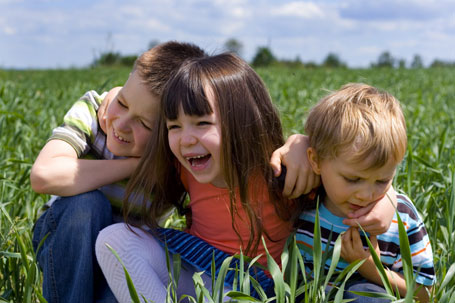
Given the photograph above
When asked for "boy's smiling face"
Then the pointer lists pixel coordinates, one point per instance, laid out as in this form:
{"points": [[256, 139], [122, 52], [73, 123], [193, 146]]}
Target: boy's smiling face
{"points": [[350, 186], [130, 117]]}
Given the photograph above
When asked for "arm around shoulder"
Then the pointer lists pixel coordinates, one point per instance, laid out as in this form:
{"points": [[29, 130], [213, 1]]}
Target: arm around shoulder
{"points": [[58, 171], [53, 162]]}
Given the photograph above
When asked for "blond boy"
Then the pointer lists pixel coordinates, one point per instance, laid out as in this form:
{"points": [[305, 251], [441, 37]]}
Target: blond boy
{"points": [[357, 139]]}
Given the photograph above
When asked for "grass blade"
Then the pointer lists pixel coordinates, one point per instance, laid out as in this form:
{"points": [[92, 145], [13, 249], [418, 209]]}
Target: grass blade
{"points": [[131, 288]]}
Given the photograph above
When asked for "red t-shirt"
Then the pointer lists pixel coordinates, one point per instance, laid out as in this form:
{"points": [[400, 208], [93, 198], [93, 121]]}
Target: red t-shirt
{"points": [[212, 221]]}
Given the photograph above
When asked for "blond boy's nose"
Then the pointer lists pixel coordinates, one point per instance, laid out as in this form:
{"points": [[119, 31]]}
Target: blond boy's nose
{"points": [[365, 195]]}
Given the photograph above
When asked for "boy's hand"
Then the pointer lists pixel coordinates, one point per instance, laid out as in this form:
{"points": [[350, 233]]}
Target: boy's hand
{"points": [[105, 104], [352, 248], [300, 178], [375, 218]]}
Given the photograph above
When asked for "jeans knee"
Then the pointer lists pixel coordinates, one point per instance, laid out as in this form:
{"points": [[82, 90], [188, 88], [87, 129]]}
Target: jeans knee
{"points": [[86, 205], [83, 212]]}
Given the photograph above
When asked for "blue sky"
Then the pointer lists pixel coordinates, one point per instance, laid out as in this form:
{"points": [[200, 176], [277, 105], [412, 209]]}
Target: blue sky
{"points": [[60, 34]]}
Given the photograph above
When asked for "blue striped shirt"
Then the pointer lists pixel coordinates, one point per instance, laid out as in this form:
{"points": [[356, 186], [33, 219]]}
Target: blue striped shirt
{"points": [[389, 242]]}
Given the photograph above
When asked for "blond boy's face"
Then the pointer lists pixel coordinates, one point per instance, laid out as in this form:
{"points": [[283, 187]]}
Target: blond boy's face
{"points": [[130, 117], [350, 186]]}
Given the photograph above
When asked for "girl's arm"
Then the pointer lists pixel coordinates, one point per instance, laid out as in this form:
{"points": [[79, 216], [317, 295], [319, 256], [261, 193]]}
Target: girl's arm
{"points": [[58, 171], [300, 178], [352, 249], [375, 218]]}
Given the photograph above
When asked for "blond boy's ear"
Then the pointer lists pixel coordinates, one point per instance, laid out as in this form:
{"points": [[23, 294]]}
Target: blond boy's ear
{"points": [[314, 160]]}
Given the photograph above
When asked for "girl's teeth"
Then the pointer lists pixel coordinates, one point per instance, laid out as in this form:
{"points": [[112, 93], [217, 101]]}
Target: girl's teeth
{"points": [[196, 157]]}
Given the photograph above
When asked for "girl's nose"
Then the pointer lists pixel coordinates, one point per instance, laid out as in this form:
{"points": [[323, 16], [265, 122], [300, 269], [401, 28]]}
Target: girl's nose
{"points": [[188, 138]]}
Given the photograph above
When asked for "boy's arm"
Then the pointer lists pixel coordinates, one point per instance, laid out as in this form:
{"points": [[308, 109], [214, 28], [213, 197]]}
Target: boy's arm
{"points": [[58, 171], [352, 249], [300, 178], [375, 218]]}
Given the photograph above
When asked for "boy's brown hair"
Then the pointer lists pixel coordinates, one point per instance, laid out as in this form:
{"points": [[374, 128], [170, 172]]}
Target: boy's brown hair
{"points": [[361, 120], [157, 65]]}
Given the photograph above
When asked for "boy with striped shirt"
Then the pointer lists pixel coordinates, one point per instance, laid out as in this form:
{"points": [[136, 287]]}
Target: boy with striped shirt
{"points": [[357, 138], [85, 164]]}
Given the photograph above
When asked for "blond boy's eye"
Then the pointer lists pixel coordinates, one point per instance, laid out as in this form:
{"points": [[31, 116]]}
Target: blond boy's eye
{"points": [[351, 180], [383, 181]]}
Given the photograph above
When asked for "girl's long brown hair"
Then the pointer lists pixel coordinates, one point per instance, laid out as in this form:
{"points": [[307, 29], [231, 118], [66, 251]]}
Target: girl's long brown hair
{"points": [[251, 131]]}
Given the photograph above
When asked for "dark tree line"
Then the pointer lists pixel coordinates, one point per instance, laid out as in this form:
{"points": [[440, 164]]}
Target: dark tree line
{"points": [[265, 57]]}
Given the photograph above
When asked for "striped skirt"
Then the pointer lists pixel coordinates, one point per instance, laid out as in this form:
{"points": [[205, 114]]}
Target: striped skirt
{"points": [[199, 254]]}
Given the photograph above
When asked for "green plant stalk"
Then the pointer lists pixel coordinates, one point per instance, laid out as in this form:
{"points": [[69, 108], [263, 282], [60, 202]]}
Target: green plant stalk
{"points": [[131, 288], [379, 266], [277, 276], [406, 260], [317, 254]]}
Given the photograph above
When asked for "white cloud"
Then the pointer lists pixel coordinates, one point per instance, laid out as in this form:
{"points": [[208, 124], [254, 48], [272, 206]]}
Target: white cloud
{"points": [[307, 10], [8, 30], [240, 12], [357, 30]]}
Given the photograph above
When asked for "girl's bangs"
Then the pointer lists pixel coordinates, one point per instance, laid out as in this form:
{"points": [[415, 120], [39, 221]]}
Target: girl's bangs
{"points": [[188, 93]]}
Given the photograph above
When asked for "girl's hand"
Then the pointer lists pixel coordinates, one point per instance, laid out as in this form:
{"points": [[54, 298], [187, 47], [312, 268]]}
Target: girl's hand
{"points": [[375, 218], [300, 178], [104, 105]]}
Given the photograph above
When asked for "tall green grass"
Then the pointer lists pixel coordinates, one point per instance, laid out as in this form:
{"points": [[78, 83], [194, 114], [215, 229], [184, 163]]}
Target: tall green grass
{"points": [[34, 102]]}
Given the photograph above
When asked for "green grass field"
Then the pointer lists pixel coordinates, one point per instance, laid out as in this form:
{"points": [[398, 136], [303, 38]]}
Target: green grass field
{"points": [[32, 103]]}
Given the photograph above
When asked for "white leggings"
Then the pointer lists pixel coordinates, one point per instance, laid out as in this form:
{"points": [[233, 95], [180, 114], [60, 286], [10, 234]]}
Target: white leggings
{"points": [[145, 261]]}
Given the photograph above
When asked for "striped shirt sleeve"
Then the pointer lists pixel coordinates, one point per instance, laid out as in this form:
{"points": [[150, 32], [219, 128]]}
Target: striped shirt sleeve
{"points": [[421, 252], [80, 124]]}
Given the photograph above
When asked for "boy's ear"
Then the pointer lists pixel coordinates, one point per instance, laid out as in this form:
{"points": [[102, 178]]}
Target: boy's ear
{"points": [[314, 160]]}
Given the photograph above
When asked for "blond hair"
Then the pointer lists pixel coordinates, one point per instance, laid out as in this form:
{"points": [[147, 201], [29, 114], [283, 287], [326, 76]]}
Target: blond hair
{"points": [[361, 120]]}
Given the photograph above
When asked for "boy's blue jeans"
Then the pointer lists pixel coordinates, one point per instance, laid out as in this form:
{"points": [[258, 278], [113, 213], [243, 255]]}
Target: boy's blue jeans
{"points": [[365, 287], [67, 256]]}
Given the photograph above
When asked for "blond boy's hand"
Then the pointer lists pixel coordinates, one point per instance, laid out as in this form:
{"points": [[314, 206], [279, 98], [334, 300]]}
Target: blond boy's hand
{"points": [[352, 247], [105, 104], [300, 178], [375, 218]]}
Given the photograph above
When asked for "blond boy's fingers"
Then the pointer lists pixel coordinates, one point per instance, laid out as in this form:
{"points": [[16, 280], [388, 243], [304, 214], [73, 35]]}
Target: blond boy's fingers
{"points": [[347, 239]]}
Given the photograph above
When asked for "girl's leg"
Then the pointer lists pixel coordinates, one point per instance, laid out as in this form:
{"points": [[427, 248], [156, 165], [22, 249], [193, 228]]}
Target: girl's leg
{"points": [[145, 261]]}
